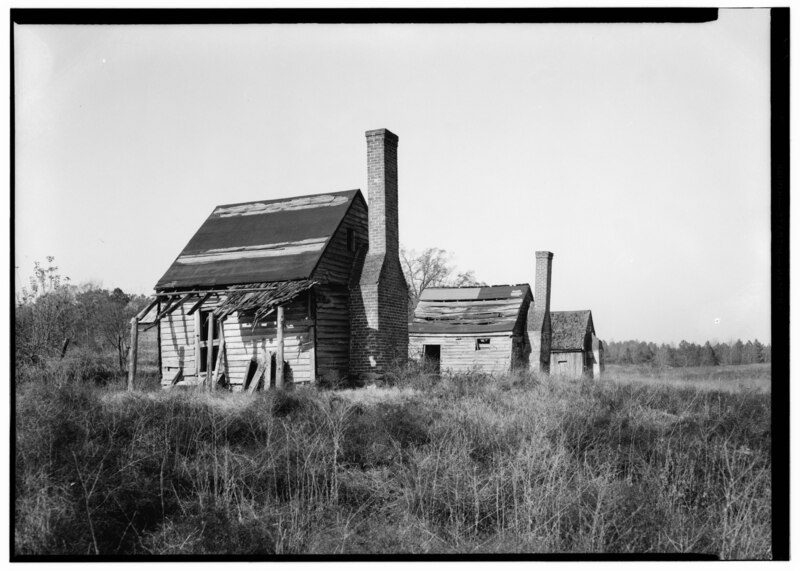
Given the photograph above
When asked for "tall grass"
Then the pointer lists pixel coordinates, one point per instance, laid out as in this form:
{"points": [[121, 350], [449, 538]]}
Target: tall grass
{"points": [[465, 463]]}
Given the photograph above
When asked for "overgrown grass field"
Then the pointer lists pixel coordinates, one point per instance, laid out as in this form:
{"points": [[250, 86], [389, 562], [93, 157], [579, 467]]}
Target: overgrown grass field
{"points": [[462, 464]]}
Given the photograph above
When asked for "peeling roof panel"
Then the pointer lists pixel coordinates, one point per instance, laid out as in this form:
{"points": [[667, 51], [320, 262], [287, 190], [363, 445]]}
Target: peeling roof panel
{"points": [[477, 293], [493, 309], [569, 329], [262, 241]]}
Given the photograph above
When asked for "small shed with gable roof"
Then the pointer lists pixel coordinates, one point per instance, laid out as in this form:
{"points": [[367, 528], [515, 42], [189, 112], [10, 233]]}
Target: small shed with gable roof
{"points": [[575, 349]]}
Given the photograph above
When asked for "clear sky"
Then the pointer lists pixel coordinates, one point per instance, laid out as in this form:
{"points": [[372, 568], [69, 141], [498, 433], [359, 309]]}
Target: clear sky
{"points": [[638, 154]]}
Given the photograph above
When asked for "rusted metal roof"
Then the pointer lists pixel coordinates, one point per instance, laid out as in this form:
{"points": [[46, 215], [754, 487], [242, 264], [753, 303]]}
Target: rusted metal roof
{"points": [[262, 241], [569, 330], [493, 309]]}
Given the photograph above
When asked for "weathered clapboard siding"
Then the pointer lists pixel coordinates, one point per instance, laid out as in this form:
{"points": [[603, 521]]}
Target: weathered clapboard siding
{"points": [[177, 340], [455, 318], [243, 342], [458, 354], [331, 307], [336, 263], [520, 342], [568, 364], [333, 331]]}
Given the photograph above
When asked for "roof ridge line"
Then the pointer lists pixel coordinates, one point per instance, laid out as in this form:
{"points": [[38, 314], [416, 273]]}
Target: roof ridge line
{"points": [[269, 200]]}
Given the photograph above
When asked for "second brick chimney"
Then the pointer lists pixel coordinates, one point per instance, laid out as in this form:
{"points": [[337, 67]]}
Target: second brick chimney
{"points": [[539, 332], [379, 314]]}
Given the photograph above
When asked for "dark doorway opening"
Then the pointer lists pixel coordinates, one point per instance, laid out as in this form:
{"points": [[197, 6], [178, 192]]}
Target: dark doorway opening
{"points": [[432, 355]]}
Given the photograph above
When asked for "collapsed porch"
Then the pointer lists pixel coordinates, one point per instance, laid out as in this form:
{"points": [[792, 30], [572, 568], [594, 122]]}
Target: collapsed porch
{"points": [[232, 336]]}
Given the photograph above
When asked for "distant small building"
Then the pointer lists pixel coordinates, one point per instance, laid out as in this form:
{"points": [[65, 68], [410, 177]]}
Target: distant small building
{"points": [[575, 349], [462, 328], [499, 328]]}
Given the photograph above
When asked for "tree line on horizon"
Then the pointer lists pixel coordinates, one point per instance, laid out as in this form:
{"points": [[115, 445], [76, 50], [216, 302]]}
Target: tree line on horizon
{"points": [[687, 354]]}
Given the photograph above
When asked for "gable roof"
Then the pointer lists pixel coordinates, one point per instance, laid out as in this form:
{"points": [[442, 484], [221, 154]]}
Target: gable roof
{"points": [[262, 241], [492, 309], [569, 329]]}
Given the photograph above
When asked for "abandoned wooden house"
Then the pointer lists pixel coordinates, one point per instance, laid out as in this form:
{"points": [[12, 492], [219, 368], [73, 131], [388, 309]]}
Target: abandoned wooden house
{"points": [[494, 329], [499, 328], [575, 349], [295, 288], [460, 328]]}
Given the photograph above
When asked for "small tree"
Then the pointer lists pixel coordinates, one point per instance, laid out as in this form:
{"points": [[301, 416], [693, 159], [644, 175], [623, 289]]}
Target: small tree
{"points": [[766, 353], [688, 354], [758, 349], [44, 315], [627, 357], [665, 356], [750, 353], [105, 316], [642, 355], [737, 353], [722, 351], [707, 356], [431, 268]]}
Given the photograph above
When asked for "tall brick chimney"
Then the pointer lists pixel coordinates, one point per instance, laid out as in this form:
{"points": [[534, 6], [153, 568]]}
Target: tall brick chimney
{"points": [[539, 332], [379, 314], [382, 191]]}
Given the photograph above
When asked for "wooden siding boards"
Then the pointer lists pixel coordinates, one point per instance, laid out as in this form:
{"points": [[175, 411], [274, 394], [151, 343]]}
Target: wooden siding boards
{"points": [[333, 331], [571, 350], [336, 263], [243, 342], [332, 296], [455, 318], [568, 364], [458, 354]]}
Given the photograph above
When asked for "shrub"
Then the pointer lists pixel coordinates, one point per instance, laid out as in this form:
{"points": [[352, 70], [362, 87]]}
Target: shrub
{"points": [[471, 463]]}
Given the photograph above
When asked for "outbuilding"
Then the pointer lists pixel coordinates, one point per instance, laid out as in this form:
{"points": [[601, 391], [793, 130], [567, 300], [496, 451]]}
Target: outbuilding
{"points": [[575, 349], [456, 329]]}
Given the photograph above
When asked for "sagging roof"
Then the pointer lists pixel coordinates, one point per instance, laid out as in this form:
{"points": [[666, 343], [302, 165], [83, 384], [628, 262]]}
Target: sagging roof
{"points": [[491, 309], [263, 301], [261, 298], [569, 329], [262, 241]]}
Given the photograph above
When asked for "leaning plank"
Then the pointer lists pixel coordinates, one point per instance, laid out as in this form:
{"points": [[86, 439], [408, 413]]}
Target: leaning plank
{"points": [[209, 353], [177, 378], [197, 333], [279, 364], [147, 309], [265, 362], [220, 351], [175, 306], [312, 355], [168, 310], [244, 373]]}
